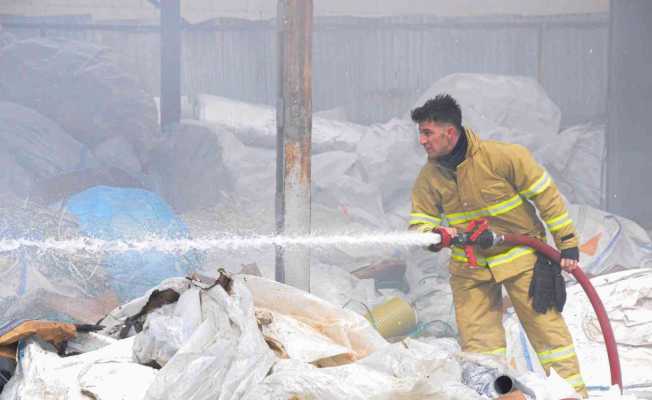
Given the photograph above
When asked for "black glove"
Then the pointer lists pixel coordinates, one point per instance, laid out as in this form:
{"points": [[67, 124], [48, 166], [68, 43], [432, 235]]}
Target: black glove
{"points": [[573, 253], [547, 288]]}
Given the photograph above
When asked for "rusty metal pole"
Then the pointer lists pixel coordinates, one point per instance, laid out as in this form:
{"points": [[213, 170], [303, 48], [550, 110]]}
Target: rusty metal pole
{"points": [[293, 138], [170, 63]]}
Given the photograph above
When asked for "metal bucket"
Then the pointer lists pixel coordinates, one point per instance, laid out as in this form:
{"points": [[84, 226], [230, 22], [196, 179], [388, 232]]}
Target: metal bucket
{"points": [[395, 317]]}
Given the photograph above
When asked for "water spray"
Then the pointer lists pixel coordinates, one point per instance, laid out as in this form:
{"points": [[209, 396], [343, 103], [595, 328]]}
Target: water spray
{"points": [[226, 242]]}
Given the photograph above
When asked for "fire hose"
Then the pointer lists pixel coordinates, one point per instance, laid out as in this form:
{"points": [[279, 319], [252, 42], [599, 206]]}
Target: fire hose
{"points": [[473, 236]]}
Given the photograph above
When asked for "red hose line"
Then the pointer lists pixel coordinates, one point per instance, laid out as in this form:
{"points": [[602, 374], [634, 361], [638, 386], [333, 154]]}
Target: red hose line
{"points": [[598, 307]]}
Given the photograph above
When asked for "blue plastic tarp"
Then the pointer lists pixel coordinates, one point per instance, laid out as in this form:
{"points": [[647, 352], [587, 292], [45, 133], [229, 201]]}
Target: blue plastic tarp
{"points": [[129, 214]]}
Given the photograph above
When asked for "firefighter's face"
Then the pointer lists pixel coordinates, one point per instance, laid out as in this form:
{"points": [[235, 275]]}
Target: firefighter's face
{"points": [[436, 138]]}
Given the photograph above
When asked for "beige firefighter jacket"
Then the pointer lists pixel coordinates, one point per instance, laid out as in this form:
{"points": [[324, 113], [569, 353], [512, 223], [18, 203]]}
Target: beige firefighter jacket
{"points": [[503, 183]]}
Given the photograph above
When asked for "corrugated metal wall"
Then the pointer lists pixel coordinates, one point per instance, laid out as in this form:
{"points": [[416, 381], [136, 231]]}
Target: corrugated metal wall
{"points": [[374, 68]]}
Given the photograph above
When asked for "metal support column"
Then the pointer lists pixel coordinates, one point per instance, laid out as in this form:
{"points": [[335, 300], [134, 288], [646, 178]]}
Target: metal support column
{"points": [[294, 126], [170, 63]]}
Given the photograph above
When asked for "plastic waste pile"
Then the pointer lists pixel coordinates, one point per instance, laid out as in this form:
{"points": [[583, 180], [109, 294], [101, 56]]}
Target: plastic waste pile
{"points": [[251, 338], [246, 337]]}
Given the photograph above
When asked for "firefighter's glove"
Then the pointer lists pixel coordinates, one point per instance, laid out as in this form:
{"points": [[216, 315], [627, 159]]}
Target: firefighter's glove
{"points": [[446, 237], [573, 253], [547, 288]]}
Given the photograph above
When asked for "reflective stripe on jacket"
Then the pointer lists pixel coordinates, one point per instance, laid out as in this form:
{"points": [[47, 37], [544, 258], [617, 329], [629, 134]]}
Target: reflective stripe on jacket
{"points": [[503, 183]]}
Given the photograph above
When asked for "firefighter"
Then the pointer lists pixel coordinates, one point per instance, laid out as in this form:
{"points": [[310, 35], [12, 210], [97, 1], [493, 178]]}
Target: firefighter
{"points": [[466, 178]]}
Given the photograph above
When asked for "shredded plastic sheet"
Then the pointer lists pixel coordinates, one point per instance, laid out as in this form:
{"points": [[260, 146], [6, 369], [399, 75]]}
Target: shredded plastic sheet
{"points": [[108, 373], [342, 326], [392, 372], [168, 328], [225, 356], [115, 320], [301, 341]]}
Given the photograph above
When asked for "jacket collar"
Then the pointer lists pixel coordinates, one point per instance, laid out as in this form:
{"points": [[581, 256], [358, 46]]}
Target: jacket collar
{"points": [[473, 145], [473, 142]]}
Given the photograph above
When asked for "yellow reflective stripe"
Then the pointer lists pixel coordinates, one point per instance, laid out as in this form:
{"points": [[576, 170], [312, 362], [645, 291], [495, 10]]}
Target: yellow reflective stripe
{"points": [[493, 261], [500, 351], [418, 218], [555, 355], [509, 256], [558, 222], [491, 211], [538, 186], [575, 380]]}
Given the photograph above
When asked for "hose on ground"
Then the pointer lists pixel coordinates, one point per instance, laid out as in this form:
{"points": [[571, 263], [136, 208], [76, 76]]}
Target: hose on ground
{"points": [[596, 302]]}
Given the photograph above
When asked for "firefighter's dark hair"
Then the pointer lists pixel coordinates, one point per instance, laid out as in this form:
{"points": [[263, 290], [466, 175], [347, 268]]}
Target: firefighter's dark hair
{"points": [[442, 108]]}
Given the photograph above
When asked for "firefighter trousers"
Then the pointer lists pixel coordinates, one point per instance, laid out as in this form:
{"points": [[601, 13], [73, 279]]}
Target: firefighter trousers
{"points": [[479, 312]]}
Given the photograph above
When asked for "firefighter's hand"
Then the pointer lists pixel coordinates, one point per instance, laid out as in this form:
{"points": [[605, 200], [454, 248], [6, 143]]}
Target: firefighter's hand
{"points": [[443, 231], [547, 288], [569, 259]]}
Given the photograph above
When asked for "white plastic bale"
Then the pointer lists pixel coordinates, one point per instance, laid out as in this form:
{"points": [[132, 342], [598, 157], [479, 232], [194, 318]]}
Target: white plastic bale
{"points": [[118, 152], [492, 104], [251, 166], [341, 221], [337, 185], [78, 84], [337, 114], [187, 168], [390, 157], [35, 148], [225, 356], [255, 124], [609, 242], [575, 158], [332, 283]]}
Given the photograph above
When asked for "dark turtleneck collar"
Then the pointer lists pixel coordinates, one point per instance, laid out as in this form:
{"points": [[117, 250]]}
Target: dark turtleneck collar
{"points": [[457, 155]]}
